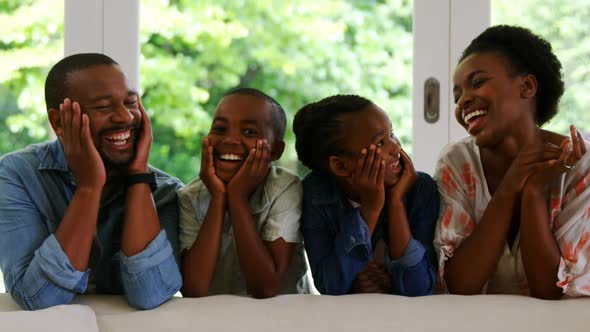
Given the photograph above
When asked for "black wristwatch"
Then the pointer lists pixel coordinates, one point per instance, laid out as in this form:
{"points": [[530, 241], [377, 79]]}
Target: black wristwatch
{"points": [[149, 178]]}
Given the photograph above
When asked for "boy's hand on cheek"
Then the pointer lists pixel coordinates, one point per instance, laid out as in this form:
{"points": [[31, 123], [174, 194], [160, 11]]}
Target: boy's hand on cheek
{"points": [[368, 182], [407, 179], [253, 171], [207, 174]]}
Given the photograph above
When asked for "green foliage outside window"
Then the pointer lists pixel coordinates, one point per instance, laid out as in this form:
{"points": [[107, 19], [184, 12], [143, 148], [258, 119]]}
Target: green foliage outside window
{"points": [[297, 51]]}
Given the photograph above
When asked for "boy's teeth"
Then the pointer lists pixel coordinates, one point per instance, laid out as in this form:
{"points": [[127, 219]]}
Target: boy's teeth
{"points": [[230, 157], [473, 114]]}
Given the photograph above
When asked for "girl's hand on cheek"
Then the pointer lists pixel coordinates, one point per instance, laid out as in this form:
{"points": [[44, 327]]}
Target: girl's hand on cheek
{"points": [[253, 171], [407, 178], [368, 182]]}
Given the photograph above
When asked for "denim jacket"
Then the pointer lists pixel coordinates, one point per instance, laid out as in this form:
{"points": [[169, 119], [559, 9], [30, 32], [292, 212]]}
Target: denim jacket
{"points": [[35, 190], [339, 246]]}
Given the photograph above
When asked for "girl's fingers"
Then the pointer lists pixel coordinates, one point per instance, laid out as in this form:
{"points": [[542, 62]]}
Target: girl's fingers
{"points": [[381, 172], [360, 162], [369, 161], [374, 169]]}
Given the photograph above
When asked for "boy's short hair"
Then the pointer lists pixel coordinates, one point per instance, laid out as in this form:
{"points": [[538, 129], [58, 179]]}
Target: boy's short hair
{"points": [[57, 78], [278, 116]]}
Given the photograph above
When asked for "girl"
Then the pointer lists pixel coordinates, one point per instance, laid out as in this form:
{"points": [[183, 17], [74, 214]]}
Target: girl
{"points": [[368, 217]]}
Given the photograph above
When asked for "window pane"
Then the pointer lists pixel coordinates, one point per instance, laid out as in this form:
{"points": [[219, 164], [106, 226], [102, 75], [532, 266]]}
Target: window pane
{"points": [[565, 25], [31, 40], [297, 51]]}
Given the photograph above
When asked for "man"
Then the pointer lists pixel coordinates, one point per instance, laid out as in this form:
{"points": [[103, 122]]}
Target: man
{"points": [[86, 213]]}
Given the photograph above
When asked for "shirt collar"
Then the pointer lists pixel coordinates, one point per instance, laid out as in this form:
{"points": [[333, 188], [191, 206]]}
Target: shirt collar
{"points": [[325, 190], [53, 158]]}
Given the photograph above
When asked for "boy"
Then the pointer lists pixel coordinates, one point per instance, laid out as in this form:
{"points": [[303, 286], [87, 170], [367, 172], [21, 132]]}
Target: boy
{"points": [[240, 220]]}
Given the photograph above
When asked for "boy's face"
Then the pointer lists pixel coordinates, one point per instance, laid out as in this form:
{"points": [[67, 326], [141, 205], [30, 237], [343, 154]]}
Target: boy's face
{"points": [[238, 123], [372, 127]]}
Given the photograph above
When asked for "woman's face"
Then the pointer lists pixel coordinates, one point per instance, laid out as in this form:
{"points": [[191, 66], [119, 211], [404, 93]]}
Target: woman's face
{"points": [[491, 103]]}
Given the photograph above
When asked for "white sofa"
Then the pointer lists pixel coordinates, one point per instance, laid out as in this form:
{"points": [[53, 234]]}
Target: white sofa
{"points": [[303, 313]]}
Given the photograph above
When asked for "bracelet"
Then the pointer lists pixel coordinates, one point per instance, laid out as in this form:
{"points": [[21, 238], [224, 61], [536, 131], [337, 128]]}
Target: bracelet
{"points": [[149, 178]]}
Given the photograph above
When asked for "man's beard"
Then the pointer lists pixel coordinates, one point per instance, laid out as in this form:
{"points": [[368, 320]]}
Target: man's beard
{"points": [[120, 165]]}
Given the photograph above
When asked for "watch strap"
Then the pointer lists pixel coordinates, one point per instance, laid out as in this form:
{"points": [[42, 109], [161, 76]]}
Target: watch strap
{"points": [[149, 178]]}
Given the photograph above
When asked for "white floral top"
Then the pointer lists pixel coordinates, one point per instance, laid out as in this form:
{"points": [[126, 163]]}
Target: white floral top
{"points": [[465, 196]]}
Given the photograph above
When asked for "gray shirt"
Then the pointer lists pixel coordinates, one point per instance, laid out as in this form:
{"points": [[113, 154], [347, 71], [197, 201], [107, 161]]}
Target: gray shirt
{"points": [[276, 210]]}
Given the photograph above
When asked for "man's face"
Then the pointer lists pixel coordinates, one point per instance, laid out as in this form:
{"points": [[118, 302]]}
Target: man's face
{"points": [[104, 94], [238, 123]]}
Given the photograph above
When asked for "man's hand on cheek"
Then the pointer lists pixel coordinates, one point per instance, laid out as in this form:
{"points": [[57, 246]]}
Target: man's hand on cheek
{"points": [[143, 144], [253, 171], [82, 156]]}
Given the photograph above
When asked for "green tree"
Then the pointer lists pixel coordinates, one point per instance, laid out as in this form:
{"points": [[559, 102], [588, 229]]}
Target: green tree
{"points": [[297, 51], [31, 40], [564, 25]]}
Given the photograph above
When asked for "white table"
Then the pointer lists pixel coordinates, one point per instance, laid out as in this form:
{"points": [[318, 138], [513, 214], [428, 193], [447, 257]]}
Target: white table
{"points": [[368, 312]]}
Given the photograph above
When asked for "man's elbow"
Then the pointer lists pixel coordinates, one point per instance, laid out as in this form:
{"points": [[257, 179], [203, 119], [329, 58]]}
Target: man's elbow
{"points": [[40, 300]]}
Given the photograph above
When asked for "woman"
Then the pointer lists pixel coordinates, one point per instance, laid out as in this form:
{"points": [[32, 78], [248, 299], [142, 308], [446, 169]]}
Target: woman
{"points": [[514, 200]]}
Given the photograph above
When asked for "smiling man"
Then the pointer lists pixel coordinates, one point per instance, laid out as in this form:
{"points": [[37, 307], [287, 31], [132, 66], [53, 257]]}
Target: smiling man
{"points": [[86, 213]]}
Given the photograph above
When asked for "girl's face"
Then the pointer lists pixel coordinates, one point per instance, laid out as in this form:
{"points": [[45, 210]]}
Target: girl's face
{"points": [[491, 103], [371, 126]]}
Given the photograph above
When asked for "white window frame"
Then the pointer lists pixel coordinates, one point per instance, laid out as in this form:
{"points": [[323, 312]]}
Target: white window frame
{"points": [[110, 27], [442, 29]]}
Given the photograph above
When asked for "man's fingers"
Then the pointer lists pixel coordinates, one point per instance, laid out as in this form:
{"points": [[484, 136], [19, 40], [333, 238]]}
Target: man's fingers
{"points": [[86, 138], [76, 126]]}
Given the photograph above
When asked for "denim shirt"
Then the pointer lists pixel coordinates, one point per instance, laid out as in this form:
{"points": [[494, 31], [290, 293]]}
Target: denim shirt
{"points": [[36, 188], [339, 244]]}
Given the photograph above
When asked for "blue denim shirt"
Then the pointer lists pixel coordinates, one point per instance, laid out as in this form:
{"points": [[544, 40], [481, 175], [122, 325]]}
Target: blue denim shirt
{"points": [[35, 190], [339, 246]]}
